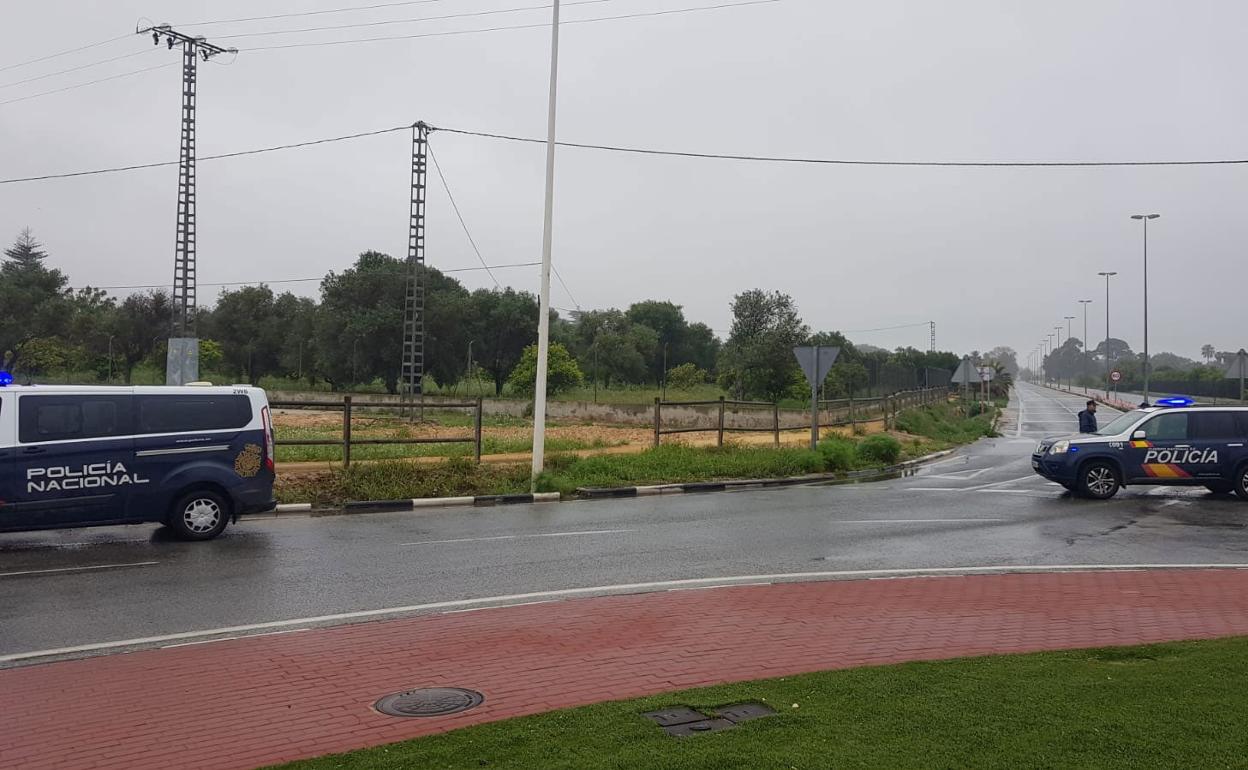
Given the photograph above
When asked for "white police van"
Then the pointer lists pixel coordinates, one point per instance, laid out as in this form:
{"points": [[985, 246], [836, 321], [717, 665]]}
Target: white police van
{"points": [[192, 458]]}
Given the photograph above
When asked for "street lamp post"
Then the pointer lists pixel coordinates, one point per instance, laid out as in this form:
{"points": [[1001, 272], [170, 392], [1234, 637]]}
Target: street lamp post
{"points": [[1056, 350], [1144, 218], [1052, 350], [1108, 275], [1069, 382], [543, 303], [1085, 303]]}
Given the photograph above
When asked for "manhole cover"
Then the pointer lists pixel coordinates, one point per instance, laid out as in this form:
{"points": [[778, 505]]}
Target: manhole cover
{"points": [[429, 702]]}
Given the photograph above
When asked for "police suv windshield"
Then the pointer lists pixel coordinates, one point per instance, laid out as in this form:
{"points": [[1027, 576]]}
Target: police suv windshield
{"points": [[1122, 423]]}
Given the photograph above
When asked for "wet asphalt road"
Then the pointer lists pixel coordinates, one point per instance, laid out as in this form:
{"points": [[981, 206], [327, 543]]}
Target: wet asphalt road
{"points": [[980, 507]]}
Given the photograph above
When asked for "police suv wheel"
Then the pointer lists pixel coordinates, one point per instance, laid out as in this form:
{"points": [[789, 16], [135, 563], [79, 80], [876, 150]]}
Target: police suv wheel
{"points": [[199, 515], [1241, 482], [1099, 481]]}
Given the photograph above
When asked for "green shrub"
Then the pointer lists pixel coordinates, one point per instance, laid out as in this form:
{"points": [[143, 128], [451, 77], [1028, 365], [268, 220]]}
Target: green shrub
{"points": [[562, 372], [838, 453], [687, 376], [879, 449]]}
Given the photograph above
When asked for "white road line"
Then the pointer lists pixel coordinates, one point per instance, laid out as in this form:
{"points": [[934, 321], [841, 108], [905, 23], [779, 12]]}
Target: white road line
{"points": [[78, 569], [906, 521], [523, 537], [934, 489], [1000, 483], [661, 585], [1009, 492]]}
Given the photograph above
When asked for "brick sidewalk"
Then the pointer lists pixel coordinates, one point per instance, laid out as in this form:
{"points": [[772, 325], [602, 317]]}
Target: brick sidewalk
{"points": [[259, 700]]}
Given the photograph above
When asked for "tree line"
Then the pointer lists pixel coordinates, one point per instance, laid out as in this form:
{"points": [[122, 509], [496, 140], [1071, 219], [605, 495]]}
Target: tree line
{"points": [[1072, 362], [352, 334]]}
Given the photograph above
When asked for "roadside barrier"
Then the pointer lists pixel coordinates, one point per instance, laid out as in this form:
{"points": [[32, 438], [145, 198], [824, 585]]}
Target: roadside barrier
{"points": [[346, 442]]}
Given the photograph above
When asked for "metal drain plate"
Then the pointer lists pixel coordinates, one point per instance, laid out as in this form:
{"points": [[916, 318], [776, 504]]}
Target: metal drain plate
{"points": [[429, 702]]}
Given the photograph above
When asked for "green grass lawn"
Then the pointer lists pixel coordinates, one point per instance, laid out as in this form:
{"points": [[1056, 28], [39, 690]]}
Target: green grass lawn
{"points": [[1162, 706]]}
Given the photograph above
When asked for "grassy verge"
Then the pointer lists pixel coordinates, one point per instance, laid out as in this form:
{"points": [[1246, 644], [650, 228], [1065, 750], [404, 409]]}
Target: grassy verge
{"points": [[565, 473], [934, 428], [945, 423], [1174, 705]]}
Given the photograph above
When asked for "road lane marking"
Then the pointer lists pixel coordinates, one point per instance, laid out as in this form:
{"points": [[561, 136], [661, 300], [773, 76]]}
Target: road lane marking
{"points": [[523, 537], [78, 569], [508, 599], [907, 521]]}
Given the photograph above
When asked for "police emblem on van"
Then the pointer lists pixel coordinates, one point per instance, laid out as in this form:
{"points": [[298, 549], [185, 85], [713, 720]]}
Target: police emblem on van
{"points": [[247, 464], [58, 478]]}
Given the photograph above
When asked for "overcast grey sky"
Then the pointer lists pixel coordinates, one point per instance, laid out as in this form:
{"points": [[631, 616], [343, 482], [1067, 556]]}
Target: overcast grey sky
{"points": [[994, 256]]}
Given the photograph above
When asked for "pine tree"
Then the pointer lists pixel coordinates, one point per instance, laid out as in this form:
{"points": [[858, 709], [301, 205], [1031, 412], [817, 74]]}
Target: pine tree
{"points": [[26, 252]]}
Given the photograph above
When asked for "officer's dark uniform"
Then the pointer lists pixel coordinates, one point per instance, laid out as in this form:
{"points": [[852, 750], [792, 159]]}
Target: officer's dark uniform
{"points": [[1087, 422]]}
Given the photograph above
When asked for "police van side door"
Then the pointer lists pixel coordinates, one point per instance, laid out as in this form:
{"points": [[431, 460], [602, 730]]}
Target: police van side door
{"points": [[184, 438], [74, 458]]}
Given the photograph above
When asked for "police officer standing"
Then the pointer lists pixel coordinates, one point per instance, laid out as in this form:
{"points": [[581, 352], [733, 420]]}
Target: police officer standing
{"points": [[1087, 418]]}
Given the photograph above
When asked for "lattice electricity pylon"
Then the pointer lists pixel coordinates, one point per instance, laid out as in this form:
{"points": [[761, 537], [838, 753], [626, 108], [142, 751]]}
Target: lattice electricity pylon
{"points": [[932, 344], [184, 251], [184, 282], [413, 371]]}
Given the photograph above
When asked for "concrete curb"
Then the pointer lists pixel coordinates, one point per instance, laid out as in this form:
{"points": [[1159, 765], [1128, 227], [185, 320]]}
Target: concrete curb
{"points": [[606, 493], [441, 502]]}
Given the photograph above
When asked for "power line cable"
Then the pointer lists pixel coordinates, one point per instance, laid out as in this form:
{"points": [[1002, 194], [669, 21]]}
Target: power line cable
{"points": [[541, 25], [883, 328], [296, 14], [65, 52], [470, 14], [460, 216], [297, 280], [565, 286], [844, 162], [237, 154], [75, 69], [643, 151], [91, 82]]}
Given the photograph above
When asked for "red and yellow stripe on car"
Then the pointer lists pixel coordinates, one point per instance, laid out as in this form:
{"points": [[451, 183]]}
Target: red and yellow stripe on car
{"points": [[1165, 471], [1141, 444]]}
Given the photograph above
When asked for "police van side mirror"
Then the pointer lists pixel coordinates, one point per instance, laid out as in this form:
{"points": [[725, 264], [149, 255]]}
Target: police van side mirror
{"points": [[1139, 434]]}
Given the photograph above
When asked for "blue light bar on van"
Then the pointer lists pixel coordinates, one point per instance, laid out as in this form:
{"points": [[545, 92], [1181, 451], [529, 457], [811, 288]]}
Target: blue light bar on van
{"points": [[1175, 401], [5, 379]]}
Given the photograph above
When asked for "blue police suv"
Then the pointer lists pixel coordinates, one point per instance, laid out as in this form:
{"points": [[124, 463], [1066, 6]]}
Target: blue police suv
{"points": [[192, 458], [1175, 443]]}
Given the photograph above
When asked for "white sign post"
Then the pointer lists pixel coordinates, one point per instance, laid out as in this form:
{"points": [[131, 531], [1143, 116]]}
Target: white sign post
{"points": [[816, 361]]}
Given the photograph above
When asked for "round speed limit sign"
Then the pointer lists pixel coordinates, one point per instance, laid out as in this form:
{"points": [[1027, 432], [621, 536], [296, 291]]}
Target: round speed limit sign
{"points": [[1115, 376]]}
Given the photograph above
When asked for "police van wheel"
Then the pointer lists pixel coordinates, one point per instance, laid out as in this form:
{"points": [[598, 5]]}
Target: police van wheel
{"points": [[1099, 481], [1241, 482], [199, 515]]}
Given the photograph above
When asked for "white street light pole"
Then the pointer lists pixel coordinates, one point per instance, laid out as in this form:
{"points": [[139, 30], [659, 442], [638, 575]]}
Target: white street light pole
{"points": [[1069, 381], [1144, 218], [1085, 303], [543, 320], [1108, 275]]}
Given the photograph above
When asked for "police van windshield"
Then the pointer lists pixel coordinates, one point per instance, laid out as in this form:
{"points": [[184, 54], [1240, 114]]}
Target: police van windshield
{"points": [[1122, 423]]}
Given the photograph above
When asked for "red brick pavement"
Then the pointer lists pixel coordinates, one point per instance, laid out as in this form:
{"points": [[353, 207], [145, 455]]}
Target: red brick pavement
{"points": [[252, 701]]}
